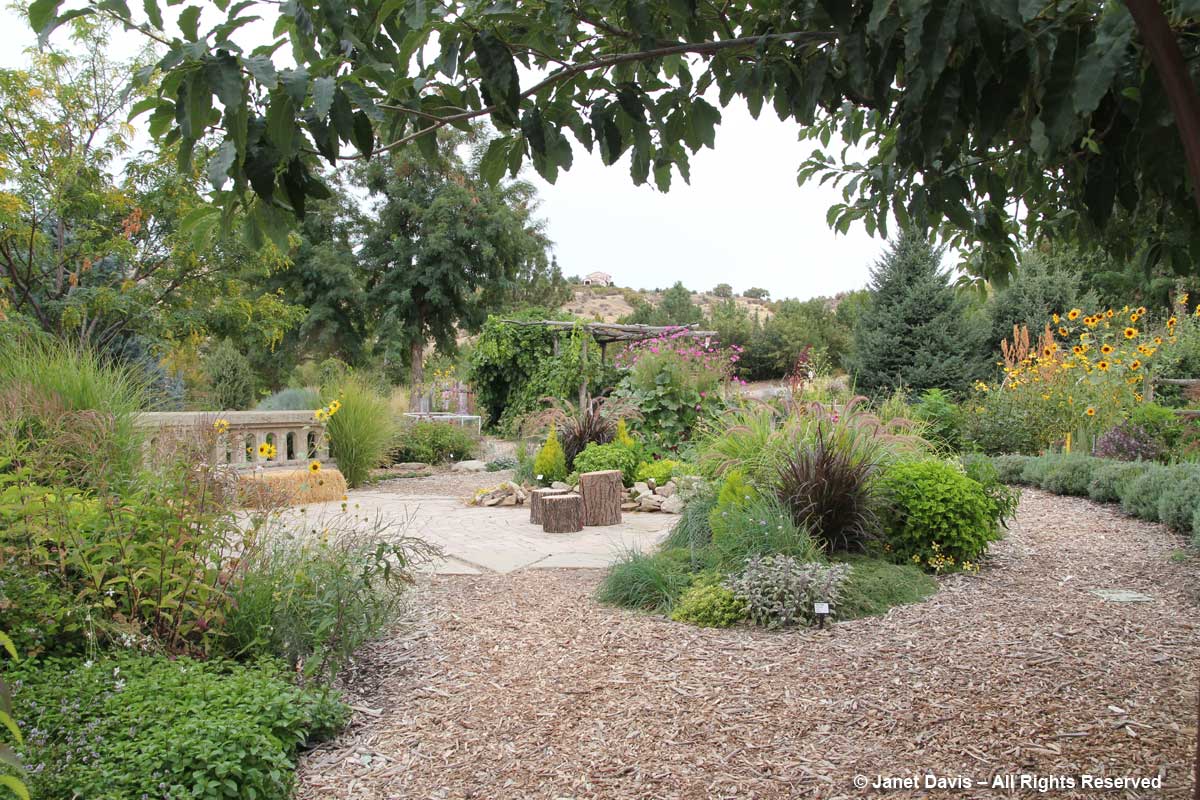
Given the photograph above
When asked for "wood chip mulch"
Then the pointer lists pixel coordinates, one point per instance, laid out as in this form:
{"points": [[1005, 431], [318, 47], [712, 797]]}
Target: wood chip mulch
{"points": [[521, 686]]}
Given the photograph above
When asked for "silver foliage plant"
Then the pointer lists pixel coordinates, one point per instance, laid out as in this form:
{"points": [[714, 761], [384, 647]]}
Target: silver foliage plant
{"points": [[780, 591]]}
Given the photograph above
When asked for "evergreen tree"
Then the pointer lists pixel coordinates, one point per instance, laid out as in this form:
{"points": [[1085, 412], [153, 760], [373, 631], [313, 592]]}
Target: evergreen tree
{"points": [[677, 307], [913, 332]]}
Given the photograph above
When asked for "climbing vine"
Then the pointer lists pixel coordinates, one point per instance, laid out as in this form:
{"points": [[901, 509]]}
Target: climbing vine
{"points": [[513, 366]]}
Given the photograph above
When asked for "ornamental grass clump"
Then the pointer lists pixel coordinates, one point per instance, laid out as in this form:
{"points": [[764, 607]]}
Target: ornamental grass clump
{"points": [[637, 580], [595, 422], [360, 428], [761, 527], [826, 472], [779, 590]]}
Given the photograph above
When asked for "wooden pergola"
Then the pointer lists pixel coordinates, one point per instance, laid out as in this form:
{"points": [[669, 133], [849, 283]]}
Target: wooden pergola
{"points": [[606, 333]]}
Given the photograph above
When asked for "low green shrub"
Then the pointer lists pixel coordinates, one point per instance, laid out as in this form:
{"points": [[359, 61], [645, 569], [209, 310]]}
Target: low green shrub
{"points": [[734, 494], [659, 471], [360, 429], [874, 586], [944, 419], [149, 726], [40, 611], [649, 582], [550, 463], [983, 471], [1069, 474], [935, 516], [1009, 467], [312, 601], [1180, 498], [761, 527], [1196, 528], [292, 399], [502, 463], [1109, 480], [709, 606], [598, 457], [1034, 472], [1160, 422], [434, 443], [779, 590], [1140, 495]]}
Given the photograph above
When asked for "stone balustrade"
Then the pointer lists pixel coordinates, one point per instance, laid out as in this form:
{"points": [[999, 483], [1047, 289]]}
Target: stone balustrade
{"points": [[298, 437]]}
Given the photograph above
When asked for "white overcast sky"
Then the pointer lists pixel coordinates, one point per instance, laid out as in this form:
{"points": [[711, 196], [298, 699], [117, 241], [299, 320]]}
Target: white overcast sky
{"points": [[743, 220]]}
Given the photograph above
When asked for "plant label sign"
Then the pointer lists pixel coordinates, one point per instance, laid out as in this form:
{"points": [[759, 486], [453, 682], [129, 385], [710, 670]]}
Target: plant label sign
{"points": [[821, 608]]}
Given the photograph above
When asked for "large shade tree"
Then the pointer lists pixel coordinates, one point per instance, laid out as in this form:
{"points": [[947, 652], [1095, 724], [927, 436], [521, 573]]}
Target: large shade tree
{"points": [[441, 250], [985, 120]]}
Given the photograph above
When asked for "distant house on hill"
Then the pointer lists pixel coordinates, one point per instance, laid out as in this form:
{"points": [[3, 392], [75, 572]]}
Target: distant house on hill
{"points": [[598, 279]]}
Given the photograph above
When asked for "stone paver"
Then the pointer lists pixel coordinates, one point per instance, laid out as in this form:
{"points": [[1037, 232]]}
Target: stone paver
{"points": [[500, 539]]}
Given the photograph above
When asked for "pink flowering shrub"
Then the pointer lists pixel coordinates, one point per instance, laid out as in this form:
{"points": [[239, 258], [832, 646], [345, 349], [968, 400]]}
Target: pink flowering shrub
{"points": [[676, 380]]}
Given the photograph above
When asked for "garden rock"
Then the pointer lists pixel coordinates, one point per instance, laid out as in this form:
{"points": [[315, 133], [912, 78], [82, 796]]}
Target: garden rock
{"points": [[560, 485], [506, 494], [673, 504], [650, 502], [667, 490], [641, 489], [471, 465]]}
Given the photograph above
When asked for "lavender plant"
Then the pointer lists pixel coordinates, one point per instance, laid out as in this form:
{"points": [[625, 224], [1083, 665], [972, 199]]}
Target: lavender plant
{"points": [[779, 590]]}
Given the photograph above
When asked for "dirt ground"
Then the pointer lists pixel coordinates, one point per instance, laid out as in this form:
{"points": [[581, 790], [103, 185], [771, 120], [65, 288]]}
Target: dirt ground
{"points": [[521, 686]]}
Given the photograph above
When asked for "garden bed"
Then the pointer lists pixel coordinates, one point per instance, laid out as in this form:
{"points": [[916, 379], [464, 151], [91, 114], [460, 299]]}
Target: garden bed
{"points": [[522, 685]]}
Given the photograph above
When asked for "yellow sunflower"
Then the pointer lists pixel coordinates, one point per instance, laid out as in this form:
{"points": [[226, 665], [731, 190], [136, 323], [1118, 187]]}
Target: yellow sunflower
{"points": [[1102, 366], [1054, 317], [1106, 348], [1078, 350], [334, 407], [314, 466], [1171, 322], [1062, 331], [1110, 313], [1135, 365], [1131, 333], [320, 414], [221, 426], [266, 450], [1158, 340], [1134, 317], [1091, 411], [1073, 314]]}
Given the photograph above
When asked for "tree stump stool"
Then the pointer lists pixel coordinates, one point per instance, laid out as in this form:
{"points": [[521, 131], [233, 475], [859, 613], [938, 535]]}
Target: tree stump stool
{"points": [[535, 502], [602, 494], [562, 513]]}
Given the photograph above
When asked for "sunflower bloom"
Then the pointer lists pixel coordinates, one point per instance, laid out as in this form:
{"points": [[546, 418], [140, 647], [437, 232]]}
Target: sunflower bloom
{"points": [[1106, 349], [1091, 411], [1135, 365], [1130, 333], [314, 466], [1073, 314], [320, 414], [1102, 366]]}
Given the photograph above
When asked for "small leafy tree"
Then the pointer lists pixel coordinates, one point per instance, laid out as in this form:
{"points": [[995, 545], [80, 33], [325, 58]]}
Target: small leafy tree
{"points": [[756, 293], [723, 290]]}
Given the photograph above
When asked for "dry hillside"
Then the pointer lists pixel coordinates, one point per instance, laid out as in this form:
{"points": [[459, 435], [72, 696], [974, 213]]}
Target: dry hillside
{"points": [[610, 303]]}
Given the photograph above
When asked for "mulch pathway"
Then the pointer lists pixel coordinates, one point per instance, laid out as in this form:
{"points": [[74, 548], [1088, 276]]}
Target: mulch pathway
{"points": [[521, 686]]}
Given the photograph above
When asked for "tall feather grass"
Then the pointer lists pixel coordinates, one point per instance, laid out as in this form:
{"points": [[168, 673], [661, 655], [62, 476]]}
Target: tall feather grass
{"points": [[362, 432], [68, 379]]}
